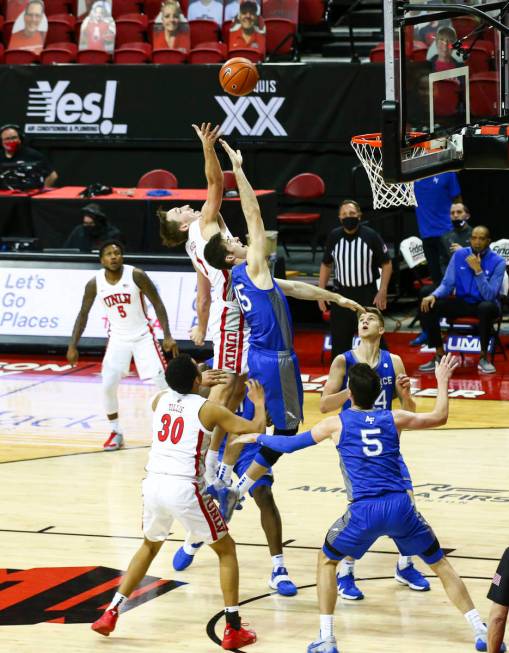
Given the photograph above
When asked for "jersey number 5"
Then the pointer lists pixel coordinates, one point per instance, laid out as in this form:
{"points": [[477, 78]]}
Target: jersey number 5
{"points": [[121, 311], [373, 445], [176, 432], [244, 301]]}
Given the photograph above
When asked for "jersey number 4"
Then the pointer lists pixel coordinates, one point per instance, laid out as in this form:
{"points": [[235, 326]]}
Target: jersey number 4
{"points": [[373, 446], [175, 432]]}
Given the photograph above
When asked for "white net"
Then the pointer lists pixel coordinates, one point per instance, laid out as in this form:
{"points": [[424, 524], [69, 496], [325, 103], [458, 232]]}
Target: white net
{"points": [[385, 195]]}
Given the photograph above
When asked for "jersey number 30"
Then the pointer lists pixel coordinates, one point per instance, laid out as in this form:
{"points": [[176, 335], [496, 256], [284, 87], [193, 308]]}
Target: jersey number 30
{"points": [[176, 431], [373, 446]]}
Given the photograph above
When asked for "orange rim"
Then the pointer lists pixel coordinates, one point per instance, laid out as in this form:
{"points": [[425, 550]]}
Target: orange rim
{"points": [[375, 140]]}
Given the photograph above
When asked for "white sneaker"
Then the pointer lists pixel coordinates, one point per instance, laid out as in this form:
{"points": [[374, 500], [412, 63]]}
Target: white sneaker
{"points": [[114, 442]]}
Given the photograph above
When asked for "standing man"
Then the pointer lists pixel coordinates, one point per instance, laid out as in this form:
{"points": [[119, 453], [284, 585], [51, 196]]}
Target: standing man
{"points": [[122, 290], [175, 488], [336, 397], [499, 594], [22, 167], [368, 444], [475, 274], [461, 231], [357, 252]]}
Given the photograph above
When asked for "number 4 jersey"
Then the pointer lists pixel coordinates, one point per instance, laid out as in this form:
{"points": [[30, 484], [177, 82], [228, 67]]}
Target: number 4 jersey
{"points": [[179, 439], [125, 305]]}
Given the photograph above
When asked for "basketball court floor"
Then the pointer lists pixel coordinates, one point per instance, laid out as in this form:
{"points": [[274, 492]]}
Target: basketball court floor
{"points": [[71, 521]]}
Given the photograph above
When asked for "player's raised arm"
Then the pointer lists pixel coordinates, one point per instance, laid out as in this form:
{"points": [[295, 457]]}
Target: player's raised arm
{"points": [[256, 229], [438, 416], [330, 427], [213, 173], [403, 387], [212, 414], [81, 321], [144, 283], [307, 291], [203, 301], [333, 397]]}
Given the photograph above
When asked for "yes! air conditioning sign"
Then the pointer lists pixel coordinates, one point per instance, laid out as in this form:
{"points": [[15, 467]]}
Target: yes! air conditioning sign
{"points": [[57, 109]]}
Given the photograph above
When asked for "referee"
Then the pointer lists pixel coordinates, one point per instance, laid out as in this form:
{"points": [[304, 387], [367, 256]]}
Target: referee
{"points": [[499, 594], [357, 253]]}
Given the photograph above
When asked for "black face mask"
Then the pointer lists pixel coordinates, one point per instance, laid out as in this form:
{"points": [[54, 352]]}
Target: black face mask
{"points": [[350, 223], [93, 230], [458, 224]]}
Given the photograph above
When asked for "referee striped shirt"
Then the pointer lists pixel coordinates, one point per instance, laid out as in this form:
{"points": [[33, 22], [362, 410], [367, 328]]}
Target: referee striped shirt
{"points": [[356, 257]]}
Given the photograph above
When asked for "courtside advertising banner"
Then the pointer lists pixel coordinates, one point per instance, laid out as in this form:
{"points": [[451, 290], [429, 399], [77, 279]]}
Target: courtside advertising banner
{"points": [[42, 301]]}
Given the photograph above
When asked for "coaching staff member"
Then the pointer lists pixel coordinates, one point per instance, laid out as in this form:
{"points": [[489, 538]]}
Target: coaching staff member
{"points": [[357, 252], [499, 594]]}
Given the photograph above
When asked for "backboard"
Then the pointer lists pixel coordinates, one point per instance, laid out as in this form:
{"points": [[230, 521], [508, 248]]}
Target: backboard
{"points": [[445, 78]]}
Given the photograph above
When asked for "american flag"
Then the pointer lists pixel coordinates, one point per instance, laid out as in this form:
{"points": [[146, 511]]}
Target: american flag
{"points": [[496, 580]]}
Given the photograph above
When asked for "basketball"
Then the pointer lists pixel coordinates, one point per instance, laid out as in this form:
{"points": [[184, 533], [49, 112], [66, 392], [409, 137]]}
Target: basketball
{"points": [[238, 76]]}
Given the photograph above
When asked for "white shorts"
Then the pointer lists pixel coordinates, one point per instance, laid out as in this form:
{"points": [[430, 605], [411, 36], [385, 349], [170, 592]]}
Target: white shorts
{"points": [[148, 356], [231, 341], [166, 498]]}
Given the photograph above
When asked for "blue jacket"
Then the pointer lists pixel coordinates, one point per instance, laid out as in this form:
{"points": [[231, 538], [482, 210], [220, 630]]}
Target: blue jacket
{"points": [[473, 288]]}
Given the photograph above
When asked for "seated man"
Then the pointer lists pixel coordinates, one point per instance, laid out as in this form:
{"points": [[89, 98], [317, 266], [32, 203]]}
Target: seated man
{"points": [[22, 167], [475, 275], [94, 230]]}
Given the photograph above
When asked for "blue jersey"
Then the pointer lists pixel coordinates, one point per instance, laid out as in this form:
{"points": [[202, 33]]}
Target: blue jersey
{"points": [[369, 455], [266, 311], [384, 369]]}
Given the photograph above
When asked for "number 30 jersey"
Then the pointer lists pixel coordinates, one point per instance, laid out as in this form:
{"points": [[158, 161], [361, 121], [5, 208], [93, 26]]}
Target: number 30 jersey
{"points": [[369, 455], [124, 303], [179, 439], [384, 369]]}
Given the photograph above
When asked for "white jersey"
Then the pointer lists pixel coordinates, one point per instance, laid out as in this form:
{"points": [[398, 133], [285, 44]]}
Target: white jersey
{"points": [[220, 280], [125, 305], [179, 439]]}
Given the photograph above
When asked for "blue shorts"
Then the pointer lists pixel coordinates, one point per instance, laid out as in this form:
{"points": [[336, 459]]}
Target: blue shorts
{"points": [[391, 514], [279, 374], [246, 457], [405, 474]]}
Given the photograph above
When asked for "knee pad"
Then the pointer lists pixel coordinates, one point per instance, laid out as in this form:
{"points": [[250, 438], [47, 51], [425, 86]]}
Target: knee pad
{"points": [[285, 431], [110, 383], [269, 456]]}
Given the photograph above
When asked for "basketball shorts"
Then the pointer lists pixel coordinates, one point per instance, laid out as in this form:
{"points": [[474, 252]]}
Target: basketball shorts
{"points": [[391, 514], [146, 351], [279, 374], [166, 498], [247, 455], [231, 341], [499, 589], [405, 474]]}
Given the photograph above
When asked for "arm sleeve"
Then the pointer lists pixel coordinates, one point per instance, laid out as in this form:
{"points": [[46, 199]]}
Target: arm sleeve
{"points": [[491, 289], [448, 282], [286, 443], [454, 186]]}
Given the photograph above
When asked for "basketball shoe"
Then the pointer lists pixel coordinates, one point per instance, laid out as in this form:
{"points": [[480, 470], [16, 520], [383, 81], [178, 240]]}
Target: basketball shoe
{"points": [[412, 577], [182, 560], [280, 582], [228, 499], [347, 589], [106, 623], [481, 641], [236, 638], [327, 645], [114, 442]]}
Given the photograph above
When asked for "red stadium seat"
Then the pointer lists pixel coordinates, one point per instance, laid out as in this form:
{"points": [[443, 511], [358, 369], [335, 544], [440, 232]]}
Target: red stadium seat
{"points": [[247, 53], [93, 57], [311, 12], [203, 31], [464, 25], [480, 57], [169, 56], [122, 7], [60, 29], [7, 30], [131, 55], [229, 181], [288, 9], [281, 34], [56, 7], [419, 51], [1, 53], [208, 53], [158, 179], [484, 94], [130, 29], [140, 45], [225, 30], [59, 53], [305, 186], [151, 8], [446, 97], [20, 57]]}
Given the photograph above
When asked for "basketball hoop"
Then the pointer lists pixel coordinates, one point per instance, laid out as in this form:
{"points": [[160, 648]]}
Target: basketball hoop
{"points": [[368, 148]]}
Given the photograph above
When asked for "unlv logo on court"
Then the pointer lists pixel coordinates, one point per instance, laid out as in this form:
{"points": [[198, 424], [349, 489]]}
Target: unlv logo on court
{"points": [[67, 594], [265, 112]]}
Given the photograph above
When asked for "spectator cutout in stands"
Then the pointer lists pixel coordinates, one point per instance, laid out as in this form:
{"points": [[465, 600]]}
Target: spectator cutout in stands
{"points": [[94, 230], [84, 7], [231, 9], [171, 29], [98, 29], [30, 28], [206, 9], [247, 30], [441, 53], [21, 167]]}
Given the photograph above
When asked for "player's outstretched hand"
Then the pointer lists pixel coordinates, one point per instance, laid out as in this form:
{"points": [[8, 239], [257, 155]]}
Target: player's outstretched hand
{"points": [[235, 155], [445, 369], [72, 355], [206, 134], [255, 391], [197, 336], [169, 344], [247, 438], [213, 377], [349, 303]]}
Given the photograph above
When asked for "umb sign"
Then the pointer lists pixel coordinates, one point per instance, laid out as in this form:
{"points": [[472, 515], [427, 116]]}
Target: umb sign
{"points": [[466, 344], [61, 111]]}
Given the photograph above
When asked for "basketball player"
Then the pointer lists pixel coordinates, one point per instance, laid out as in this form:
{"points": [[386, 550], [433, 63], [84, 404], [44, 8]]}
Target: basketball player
{"points": [[122, 289], [195, 228], [367, 440], [175, 489], [271, 358], [394, 380]]}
